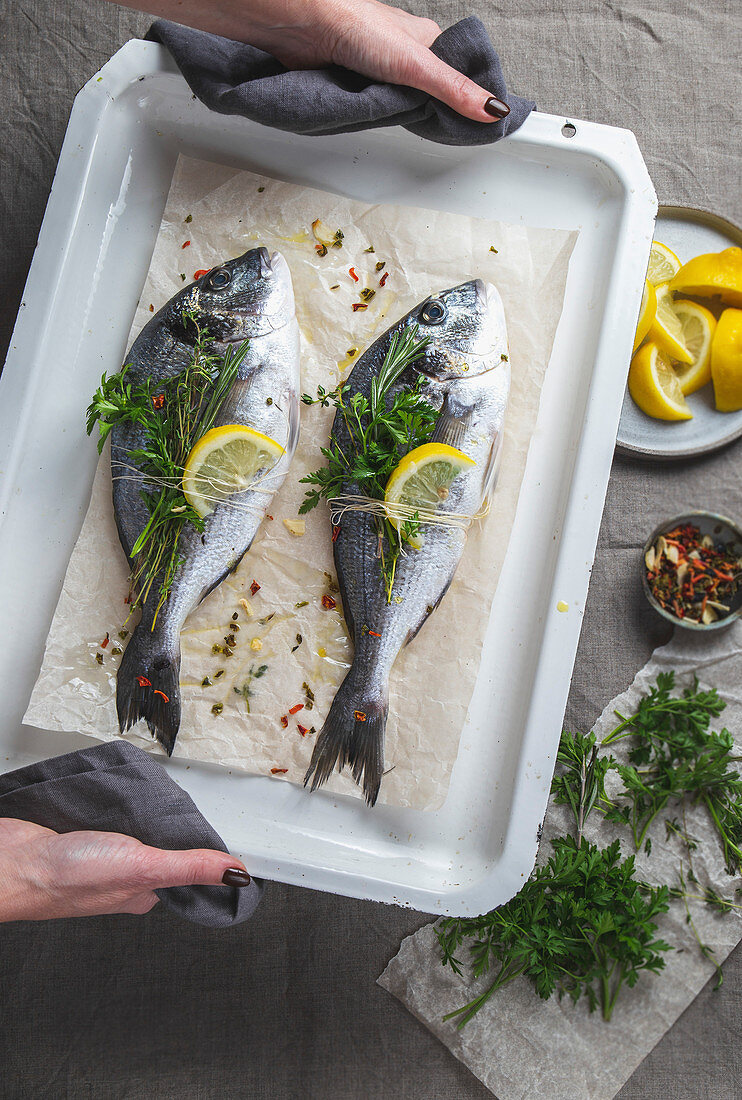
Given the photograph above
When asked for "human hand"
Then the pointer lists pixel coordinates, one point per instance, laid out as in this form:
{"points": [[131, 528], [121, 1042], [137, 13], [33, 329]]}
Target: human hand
{"points": [[371, 38], [44, 874]]}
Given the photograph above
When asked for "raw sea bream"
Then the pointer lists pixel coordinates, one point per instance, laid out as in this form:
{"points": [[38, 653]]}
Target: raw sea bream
{"points": [[467, 366], [249, 298]]}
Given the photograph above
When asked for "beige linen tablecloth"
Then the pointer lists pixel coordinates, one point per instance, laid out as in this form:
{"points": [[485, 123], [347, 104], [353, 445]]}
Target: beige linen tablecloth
{"points": [[286, 1007]]}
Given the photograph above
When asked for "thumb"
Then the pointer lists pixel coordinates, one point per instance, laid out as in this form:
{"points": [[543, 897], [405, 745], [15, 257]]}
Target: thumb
{"points": [[427, 72], [196, 866]]}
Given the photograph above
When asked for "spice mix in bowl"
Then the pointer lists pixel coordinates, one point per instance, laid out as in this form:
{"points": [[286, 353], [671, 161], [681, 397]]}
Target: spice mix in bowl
{"points": [[692, 570]]}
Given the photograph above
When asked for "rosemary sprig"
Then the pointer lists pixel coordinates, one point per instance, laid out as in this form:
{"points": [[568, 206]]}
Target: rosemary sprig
{"points": [[380, 431], [173, 416]]}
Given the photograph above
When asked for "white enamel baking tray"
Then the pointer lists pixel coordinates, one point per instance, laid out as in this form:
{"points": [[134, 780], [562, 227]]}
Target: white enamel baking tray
{"points": [[128, 125]]}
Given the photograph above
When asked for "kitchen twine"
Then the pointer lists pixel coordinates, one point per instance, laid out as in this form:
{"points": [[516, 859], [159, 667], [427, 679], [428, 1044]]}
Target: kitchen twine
{"points": [[339, 505]]}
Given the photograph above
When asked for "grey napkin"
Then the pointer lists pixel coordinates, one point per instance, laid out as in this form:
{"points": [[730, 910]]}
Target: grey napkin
{"points": [[116, 787], [235, 79]]}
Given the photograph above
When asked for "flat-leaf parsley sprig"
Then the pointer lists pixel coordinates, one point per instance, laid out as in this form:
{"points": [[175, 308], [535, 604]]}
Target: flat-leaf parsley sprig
{"points": [[582, 925], [381, 431], [173, 415], [674, 758]]}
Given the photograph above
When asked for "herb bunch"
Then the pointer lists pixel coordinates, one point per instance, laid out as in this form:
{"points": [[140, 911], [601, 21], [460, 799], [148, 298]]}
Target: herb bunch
{"points": [[380, 431], [173, 416], [674, 758], [584, 924]]}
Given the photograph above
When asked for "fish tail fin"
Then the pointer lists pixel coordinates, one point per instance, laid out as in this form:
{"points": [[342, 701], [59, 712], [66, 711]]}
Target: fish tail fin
{"points": [[148, 686], [353, 734]]}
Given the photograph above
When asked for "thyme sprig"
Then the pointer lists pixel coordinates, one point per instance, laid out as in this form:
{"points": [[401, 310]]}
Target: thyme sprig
{"points": [[380, 430], [173, 415]]}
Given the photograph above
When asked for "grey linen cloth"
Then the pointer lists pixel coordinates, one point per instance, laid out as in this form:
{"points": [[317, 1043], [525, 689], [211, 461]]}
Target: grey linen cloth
{"points": [[116, 787], [235, 79]]}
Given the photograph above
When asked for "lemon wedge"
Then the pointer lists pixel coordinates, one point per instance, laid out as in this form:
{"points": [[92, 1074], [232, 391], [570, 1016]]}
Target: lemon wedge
{"points": [[422, 480], [654, 385], [663, 264], [698, 325], [713, 273], [666, 331], [225, 461], [726, 361], [647, 311]]}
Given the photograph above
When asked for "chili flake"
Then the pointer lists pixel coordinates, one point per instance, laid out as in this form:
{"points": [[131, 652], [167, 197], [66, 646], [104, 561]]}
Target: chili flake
{"points": [[358, 305], [374, 634], [144, 682], [359, 716], [303, 730], [335, 532], [279, 771], [254, 587], [162, 693], [284, 720], [201, 271], [151, 308], [158, 400], [105, 641], [352, 273], [328, 602], [296, 708], [383, 278], [185, 244]]}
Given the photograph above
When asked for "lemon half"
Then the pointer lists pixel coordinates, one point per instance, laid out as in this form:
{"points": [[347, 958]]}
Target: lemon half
{"points": [[422, 480], [225, 461], [726, 361], [655, 387], [711, 274], [666, 331], [663, 264]]}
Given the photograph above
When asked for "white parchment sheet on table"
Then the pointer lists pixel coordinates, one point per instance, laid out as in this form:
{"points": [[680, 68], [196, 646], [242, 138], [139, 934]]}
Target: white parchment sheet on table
{"points": [[524, 1048], [229, 211]]}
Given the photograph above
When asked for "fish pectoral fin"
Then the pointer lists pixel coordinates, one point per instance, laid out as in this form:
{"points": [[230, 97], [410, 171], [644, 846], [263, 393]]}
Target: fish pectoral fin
{"points": [[452, 423], [234, 400]]}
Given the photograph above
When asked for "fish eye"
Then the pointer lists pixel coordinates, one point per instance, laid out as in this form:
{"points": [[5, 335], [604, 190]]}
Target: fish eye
{"points": [[220, 278], [433, 312]]}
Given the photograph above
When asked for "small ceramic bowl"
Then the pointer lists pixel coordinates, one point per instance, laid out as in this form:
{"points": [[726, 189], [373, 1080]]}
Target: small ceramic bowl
{"points": [[720, 529]]}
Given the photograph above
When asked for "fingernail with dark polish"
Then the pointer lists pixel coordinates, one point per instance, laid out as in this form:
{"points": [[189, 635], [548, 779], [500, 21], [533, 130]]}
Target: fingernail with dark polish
{"points": [[235, 876], [496, 107]]}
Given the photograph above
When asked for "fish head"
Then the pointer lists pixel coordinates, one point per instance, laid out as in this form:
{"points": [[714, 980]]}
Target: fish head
{"points": [[239, 299], [466, 328]]}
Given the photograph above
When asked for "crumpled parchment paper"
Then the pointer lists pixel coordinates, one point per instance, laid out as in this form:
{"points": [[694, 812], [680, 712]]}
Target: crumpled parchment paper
{"points": [[522, 1047], [214, 212]]}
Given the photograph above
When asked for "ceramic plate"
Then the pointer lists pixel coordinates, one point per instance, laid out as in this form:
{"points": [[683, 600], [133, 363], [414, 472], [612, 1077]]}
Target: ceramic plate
{"points": [[688, 232]]}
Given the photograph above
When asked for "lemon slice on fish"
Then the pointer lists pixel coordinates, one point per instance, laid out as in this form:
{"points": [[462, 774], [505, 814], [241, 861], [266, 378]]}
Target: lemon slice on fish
{"points": [[421, 482], [225, 461]]}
